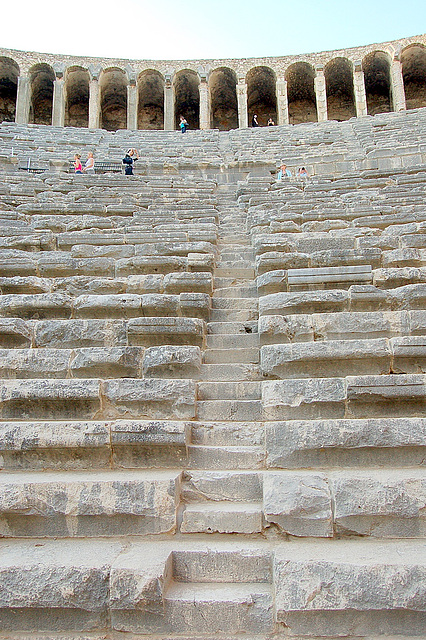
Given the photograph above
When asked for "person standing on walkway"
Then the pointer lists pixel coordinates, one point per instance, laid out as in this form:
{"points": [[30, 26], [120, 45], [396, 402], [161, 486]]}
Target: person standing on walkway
{"points": [[183, 124], [254, 122], [89, 166], [77, 164]]}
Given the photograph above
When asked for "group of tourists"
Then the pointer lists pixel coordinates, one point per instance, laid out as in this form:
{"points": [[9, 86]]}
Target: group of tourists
{"points": [[255, 123], [89, 166], [286, 173]]}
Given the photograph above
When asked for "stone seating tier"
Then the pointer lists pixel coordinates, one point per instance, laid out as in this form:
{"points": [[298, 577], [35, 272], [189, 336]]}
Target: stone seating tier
{"points": [[212, 387]]}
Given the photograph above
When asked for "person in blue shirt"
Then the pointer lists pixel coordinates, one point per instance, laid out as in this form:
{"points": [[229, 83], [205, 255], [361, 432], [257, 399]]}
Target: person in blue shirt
{"points": [[283, 172]]}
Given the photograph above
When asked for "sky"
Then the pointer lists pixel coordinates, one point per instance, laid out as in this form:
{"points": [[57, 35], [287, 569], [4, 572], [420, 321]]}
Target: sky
{"points": [[204, 29]]}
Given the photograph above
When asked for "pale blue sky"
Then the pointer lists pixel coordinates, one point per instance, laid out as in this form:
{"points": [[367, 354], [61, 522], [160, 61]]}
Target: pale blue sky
{"points": [[194, 29]]}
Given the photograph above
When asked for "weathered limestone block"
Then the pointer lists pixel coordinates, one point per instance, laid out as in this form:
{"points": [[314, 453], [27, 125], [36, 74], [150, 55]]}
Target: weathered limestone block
{"points": [[272, 282], [304, 399], [381, 504], [326, 358], [22, 284], [405, 257], [150, 264], [34, 363], [51, 399], [14, 333], [107, 306], [82, 285], [150, 432], [68, 334], [220, 486], [351, 587], [388, 442], [87, 504], [155, 331], [386, 396], [197, 282], [285, 329], [303, 302], [57, 586], [195, 305], [17, 266], [328, 277], [275, 260], [364, 324], [60, 265], [168, 361], [44, 305], [101, 362], [103, 251], [150, 283], [299, 503], [151, 398], [398, 277], [409, 354], [139, 577]]}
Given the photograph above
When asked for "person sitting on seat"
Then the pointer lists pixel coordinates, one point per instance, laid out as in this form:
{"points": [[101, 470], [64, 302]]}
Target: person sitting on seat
{"points": [[128, 160], [283, 172], [302, 173]]}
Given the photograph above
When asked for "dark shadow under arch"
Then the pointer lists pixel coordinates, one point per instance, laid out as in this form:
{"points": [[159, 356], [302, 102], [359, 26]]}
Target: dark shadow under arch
{"points": [[151, 100], [340, 89], [302, 103], [261, 95]]}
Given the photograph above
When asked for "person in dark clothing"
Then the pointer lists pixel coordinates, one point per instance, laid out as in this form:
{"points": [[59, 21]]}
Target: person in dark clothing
{"points": [[128, 160], [254, 122]]}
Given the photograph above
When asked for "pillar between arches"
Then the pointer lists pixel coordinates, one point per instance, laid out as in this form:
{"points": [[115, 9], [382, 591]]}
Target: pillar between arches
{"points": [[359, 90], [242, 103], [58, 106], [320, 93], [94, 99], [282, 101], [169, 116], [132, 105], [397, 84], [204, 102], [22, 114]]}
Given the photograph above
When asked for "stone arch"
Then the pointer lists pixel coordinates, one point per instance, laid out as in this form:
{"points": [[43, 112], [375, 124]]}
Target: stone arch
{"points": [[77, 97], [42, 78], [223, 99], [376, 67], [413, 60], [261, 94], [113, 88], [340, 89], [302, 102], [187, 98], [9, 74], [150, 100]]}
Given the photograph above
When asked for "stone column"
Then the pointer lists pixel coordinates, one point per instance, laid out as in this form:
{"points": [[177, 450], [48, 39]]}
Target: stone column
{"points": [[23, 97], [94, 99], [242, 103], [282, 102], [169, 115], [132, 105], [359, 90], [320, 93], [203, 88], [397, 84], [58, 106]]}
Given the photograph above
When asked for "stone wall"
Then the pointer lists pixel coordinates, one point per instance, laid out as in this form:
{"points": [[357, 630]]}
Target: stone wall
{"points": [[119, 94]]}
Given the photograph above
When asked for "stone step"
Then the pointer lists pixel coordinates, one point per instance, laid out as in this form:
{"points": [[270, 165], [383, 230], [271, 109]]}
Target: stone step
{"points": [[220, 608], [228, 434], [233, 372], [234, 303], [245, 291], [228, 328], [229, 390], [232, 410], [234, 270], [233, 315], [232, 341], [225, 457], [222, 517], [221, 356]]}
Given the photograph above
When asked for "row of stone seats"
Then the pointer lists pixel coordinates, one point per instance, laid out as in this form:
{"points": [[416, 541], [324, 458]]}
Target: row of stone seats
{"points": [[145, 586], [381, 504], [289, 444]]}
